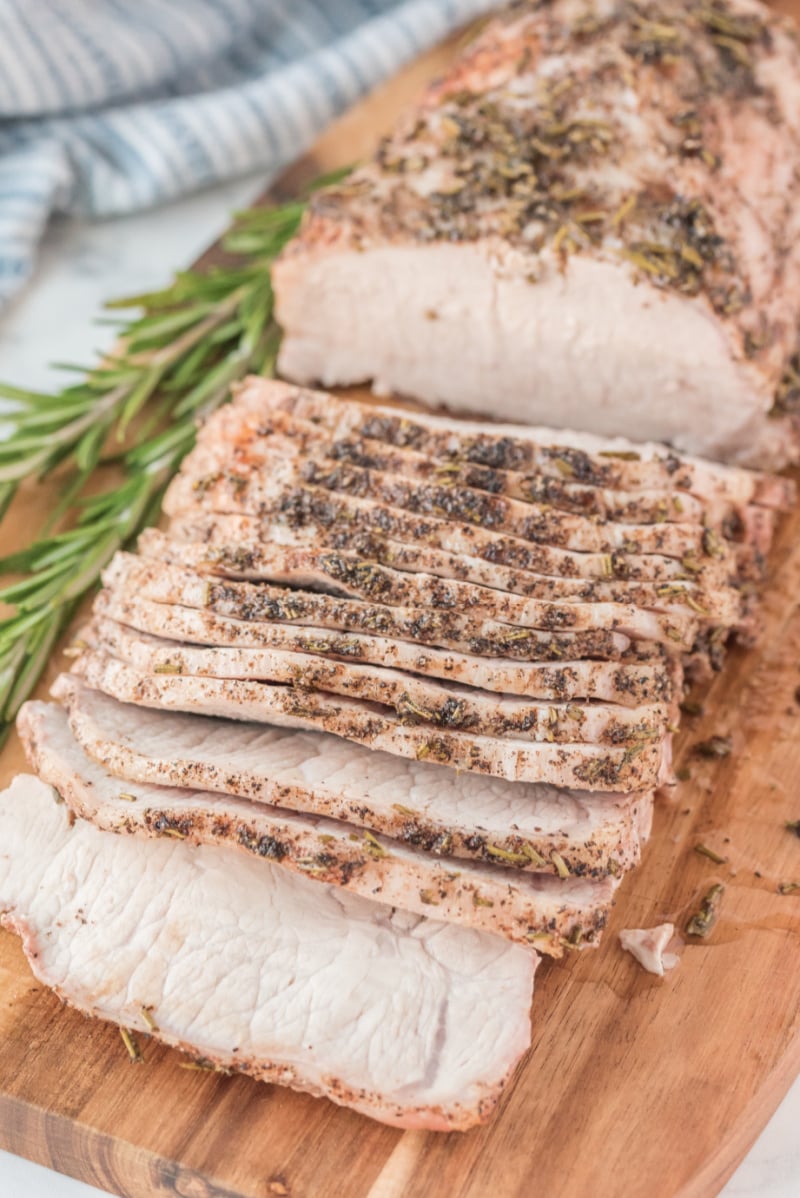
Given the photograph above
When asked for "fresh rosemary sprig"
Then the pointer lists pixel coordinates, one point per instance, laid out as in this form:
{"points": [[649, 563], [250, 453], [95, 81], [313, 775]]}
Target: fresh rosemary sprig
{"points": [[174, 364]]}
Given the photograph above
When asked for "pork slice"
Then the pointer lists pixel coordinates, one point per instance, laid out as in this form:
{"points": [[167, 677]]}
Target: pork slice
{"points": [[234, 543], [557, 510], [416, 700], [345, 573], [627, 683], [248, 601], [590, 461], [530, 908], [590, 767], [212, 469], [411, 1021], [335, 435], [307, 506], [570, 224], [516, 826]]}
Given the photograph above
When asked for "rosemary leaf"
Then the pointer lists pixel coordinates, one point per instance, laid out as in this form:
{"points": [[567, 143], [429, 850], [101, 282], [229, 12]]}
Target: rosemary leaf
{"points": [[174, 364]]}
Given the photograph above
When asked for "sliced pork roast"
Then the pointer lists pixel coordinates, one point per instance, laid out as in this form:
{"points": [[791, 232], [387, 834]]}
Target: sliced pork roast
{"points": [[458, 707], [642, 765], [379, 668], [520, 826], [530, 908], [593, 218], [629, 683], [253, 968]]}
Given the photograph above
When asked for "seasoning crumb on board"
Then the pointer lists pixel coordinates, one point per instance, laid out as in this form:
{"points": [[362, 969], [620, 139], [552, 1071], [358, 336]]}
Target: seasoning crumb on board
{"points": [[647, 945]]}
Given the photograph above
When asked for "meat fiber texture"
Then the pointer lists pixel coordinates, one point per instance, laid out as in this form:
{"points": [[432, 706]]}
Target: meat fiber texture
{"points": [[530, 908], [461, 642], [594, 214], [547, 503], [253, 968], [479, 711], [494, 547], [462, 816], [640, 766]]}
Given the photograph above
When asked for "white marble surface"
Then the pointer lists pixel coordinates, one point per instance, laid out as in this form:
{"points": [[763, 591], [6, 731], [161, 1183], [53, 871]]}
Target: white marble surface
{"points": [[81, 265]]}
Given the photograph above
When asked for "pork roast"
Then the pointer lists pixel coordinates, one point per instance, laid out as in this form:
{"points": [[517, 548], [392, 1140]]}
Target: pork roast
{"points": [[593, 220]]}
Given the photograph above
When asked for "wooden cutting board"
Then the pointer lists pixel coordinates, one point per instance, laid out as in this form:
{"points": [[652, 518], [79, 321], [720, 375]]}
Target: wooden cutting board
{"points": [[634, 1086]]}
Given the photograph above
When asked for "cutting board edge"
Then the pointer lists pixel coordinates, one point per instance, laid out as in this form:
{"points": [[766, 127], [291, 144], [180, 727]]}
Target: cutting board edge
{"points": [[744, 1132], [90, 1155]]}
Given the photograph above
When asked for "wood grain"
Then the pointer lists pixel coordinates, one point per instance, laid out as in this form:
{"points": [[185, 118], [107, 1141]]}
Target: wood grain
{"points": [[634, 1086]]}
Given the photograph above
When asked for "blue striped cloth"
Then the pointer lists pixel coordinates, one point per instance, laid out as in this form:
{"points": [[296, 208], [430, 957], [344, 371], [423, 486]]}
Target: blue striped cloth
{"points": [[109, 106]]}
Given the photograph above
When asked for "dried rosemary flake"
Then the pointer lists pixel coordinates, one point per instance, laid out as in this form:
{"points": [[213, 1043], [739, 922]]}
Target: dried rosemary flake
{"points": [[310, 866], [477, 901], [166, 668], [621, 455], [560, 240], [563, 466], [404, 810], [134, 1051], [533, 856], [129, 798], [374, 846], [505, 855], [712, 544], [735, 48], [788, 887], [670, 590], [690, 254], [703, 920], [695, 606], [661, 267], [607, 564], [714, 747], [547, 150], [565, 195], [705, 851], [562, 869], [147, 1017], [574, 939], [742, 29], [203, 1066], [407, 706], [624, 211], [428, 898]]}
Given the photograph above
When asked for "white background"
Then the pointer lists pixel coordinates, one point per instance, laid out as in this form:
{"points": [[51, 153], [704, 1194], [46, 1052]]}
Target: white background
{"points": [[82, 265]]}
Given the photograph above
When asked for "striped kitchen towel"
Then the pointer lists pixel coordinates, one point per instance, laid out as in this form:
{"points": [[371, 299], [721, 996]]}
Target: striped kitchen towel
{"points": [[108, 106]]}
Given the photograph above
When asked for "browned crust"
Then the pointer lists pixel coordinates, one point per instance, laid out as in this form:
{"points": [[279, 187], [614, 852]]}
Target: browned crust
{"points": [[609, 851], [589, 767]]}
